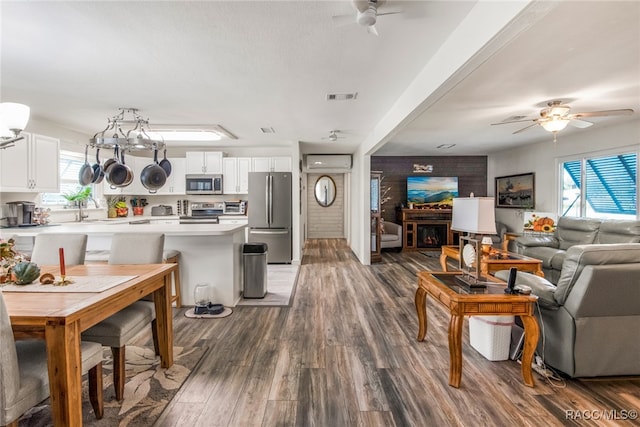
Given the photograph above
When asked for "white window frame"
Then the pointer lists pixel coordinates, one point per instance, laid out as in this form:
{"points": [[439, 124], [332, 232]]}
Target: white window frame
{"points": [[96, 190], [583, 157]]}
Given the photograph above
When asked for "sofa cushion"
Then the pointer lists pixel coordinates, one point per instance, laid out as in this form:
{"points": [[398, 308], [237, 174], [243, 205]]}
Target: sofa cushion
{"points": [[389, 237], [619, 231], [579, 256], [576, 231], [544, 254], [557, 260], [540, 287]]}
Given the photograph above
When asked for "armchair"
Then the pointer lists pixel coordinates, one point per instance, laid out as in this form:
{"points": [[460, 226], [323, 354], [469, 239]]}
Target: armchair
{"points": [[391, 236], [590, 320]]}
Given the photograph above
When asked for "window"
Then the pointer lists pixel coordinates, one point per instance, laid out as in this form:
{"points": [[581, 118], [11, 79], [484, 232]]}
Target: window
{"points": [[601, 187], [70, 164]]}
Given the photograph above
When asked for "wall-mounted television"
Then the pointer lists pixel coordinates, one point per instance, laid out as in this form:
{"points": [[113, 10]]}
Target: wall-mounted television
{"points": [[432, 192]]}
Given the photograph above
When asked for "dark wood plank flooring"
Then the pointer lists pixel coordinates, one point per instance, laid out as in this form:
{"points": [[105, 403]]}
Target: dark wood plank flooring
{"points": [[345, 354]]}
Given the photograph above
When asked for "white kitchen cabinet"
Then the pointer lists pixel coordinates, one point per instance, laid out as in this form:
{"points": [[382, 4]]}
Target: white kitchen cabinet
{"points": [[31, 166], [199, 162], [235, 175], [271, 164], [175, 182]]}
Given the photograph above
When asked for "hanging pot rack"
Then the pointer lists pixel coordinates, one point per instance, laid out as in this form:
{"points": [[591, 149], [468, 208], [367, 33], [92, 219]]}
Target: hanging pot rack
{"points": [[136, 138]]}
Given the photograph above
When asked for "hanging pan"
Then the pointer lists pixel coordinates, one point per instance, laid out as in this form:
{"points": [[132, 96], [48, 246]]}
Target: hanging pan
{"points": [[98, 173], [109, 163], [119, 174], [86, 171], [153, 176], [166, 164]]}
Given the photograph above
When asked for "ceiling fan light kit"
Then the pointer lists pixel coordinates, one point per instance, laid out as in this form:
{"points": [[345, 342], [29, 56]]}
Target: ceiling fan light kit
{"points": [[556, 116]]}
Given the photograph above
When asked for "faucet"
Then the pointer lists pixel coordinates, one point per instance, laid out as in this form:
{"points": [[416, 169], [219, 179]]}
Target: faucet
{"points": [[81, 214]]}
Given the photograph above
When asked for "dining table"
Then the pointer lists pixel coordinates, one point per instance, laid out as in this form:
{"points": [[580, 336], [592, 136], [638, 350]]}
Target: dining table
{"points": [[59, 314]]}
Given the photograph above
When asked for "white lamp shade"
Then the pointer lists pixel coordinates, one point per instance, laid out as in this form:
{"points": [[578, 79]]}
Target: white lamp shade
{"points": [[474, 215], [14, 116]]}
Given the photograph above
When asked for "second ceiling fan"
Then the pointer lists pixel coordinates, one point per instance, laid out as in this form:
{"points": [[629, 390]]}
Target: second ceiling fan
{"points": [[556, 116]]}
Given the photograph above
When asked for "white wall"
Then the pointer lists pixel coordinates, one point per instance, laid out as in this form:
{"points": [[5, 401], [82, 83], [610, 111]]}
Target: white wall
{"points": [[543, 159]]}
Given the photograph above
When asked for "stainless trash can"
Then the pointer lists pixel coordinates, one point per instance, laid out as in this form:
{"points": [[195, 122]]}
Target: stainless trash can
{"points": [[254, 257]]}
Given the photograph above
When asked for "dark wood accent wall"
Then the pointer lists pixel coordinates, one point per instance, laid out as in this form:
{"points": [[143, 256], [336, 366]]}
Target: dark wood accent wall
{"points": [[470, 170]]}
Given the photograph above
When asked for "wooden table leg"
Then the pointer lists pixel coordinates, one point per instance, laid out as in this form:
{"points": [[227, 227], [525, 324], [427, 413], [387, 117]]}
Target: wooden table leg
{"points": [[421, 309], [455, 350], [443, 261], [539, 271], [64, 365], [531, 335], [164, 322]]}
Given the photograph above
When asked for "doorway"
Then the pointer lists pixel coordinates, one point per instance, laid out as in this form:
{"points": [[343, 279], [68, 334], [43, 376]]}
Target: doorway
{"points": [[324, 220]]}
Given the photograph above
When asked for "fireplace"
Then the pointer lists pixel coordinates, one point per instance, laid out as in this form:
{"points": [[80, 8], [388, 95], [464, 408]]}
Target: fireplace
{"points": [[431, 236]]}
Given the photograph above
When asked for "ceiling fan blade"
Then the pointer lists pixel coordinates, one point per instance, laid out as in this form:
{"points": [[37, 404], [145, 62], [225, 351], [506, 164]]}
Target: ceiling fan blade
{"points": [[513, 121], [389, 13], [340, 20], [525, 128], [580, 123], [371, 29], [622, 112]]}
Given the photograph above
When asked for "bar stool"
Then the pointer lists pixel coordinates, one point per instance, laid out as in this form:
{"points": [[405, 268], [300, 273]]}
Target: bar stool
{"points": [[171, 256]]}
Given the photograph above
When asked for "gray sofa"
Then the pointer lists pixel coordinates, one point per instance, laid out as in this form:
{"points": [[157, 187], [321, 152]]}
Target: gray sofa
{"points": [[590, 321], [575, 231]]}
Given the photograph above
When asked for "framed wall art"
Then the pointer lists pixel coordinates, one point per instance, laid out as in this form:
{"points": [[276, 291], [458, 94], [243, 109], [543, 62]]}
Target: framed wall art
{"points": [[516, 191]]}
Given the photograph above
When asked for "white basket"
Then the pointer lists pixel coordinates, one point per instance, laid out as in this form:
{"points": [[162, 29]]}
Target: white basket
{"points": [[491, 336]]}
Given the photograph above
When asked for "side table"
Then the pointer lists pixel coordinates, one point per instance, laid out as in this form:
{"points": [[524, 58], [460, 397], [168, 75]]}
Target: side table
{"points": [[497, 260], [492, 300]]}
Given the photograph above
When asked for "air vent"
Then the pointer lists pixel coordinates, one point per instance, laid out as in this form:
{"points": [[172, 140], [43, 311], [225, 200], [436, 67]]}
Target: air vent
{"points": [[268, 130], [342, 96], [445, 146]]}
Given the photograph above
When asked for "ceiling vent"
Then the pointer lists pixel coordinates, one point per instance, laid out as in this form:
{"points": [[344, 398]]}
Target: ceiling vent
{"points": [[328, 162], [342, 96]]}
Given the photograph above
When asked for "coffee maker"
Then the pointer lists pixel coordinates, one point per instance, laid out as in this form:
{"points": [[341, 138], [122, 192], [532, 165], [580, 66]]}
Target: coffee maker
{"points": [[20, 213]]}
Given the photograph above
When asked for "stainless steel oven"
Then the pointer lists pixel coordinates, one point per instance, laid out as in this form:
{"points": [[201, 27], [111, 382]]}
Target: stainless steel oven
{"points": [[204, 184]]}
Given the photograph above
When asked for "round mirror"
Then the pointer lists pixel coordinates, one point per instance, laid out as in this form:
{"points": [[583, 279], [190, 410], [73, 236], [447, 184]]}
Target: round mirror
{"points": [[325, 191]]}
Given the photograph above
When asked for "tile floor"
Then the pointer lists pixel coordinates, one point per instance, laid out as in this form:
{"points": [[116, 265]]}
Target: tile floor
{"points": [[281, 281]]}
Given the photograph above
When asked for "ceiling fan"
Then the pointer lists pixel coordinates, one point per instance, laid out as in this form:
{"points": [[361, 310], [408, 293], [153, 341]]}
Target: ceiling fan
{"points": [[366, 14], [556, 116], [333, 136]]}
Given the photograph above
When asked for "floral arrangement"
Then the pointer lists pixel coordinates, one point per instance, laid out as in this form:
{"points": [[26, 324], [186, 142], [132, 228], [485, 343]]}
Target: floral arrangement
{"points": [[8, 259]]}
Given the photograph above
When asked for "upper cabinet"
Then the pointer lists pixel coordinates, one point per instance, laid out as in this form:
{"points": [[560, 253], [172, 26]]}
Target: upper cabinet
{"points": [[199, 162], [235, 174], [271, 164], [31, 165]]}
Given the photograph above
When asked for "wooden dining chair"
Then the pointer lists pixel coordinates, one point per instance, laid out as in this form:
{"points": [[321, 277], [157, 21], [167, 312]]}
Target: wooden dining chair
{"points": [[117, 330], [46, 245], [24, 377]]}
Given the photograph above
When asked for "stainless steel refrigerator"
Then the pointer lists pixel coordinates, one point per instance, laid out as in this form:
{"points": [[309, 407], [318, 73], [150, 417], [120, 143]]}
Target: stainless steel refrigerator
{"points": [[270, 213]]}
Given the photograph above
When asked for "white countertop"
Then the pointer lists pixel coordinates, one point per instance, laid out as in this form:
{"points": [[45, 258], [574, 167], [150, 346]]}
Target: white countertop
{"points": [[116, 227]]}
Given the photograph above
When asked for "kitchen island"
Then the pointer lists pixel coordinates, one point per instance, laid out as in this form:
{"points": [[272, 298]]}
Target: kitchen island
{"points": [[209, 253]]}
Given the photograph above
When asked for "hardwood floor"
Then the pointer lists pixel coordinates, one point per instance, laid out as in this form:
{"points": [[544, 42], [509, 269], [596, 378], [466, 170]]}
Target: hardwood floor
{"points": [[345, 354]]}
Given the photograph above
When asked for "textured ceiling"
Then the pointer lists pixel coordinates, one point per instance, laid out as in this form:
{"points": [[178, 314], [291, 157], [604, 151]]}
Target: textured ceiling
{"points": [[246, 65]]}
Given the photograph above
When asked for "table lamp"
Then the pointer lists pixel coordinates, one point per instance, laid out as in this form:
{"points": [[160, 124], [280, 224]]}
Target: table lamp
{"points": [[476, 217]]}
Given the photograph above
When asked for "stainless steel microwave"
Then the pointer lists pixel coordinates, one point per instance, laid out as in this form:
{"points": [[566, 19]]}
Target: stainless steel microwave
{"points": [[204, 184]]}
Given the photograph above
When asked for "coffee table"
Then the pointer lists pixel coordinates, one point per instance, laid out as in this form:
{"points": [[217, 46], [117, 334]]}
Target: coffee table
{"points": [[462, 301], [496, 260]]}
